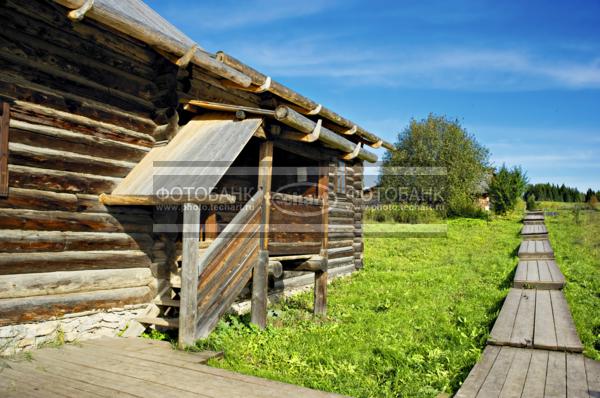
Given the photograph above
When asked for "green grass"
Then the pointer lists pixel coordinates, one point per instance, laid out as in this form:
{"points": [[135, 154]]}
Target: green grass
{"points": [[412, 323], [576, 242]]}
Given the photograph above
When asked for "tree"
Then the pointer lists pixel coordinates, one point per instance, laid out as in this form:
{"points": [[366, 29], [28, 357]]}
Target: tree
{"points": [[506, 188], [435, 142], [588, 195]]}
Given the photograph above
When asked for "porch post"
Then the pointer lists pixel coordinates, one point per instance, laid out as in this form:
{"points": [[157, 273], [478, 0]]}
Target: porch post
{"points": [[260, 275], [320, 294], [189, 275]]}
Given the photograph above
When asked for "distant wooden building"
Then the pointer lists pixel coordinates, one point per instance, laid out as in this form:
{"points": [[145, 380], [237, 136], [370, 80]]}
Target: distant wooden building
{"points": [[112, 122]]}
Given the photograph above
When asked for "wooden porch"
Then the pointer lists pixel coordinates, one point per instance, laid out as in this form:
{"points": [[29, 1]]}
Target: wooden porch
{"points": [[131, 367]]}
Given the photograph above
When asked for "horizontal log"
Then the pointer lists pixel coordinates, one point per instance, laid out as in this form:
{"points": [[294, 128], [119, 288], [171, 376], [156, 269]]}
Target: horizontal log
{"points": [[18, 241], [133, 200], [40, 114], [340, 212], [92, 204], [332, 244], [153, 36], [306, 105], [26, 155], [64, 282], [341, 220], [21, 310], [69, 221], [328, 137], [78, 78], [27, 263], [63, 140], [39, 200], [59, 180], [275, 269], [339, 262], [313, 264], [340, 252], [277, 248], [18, 87], [83, 37]]}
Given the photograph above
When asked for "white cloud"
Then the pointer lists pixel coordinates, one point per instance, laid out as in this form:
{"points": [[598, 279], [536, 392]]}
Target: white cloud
{"points": [[235, 14], [439, 68]]}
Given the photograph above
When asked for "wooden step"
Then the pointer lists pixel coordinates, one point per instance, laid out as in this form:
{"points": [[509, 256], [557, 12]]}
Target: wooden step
{"points": [[166, 302], [534, 232], [538, 319], [165, 322], [536, 250], [539, 274]]}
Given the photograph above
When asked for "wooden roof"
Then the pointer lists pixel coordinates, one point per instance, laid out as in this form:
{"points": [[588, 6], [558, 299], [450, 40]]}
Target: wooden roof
{"points": [[138, 20], [197, 157]]}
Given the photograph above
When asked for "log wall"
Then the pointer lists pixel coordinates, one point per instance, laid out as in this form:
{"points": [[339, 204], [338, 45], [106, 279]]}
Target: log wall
{"points": [[85, 102]]}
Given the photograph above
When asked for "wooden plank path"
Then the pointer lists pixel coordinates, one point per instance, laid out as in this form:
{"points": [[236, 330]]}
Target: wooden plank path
{"points": [[534, 349], [534, 231], [529, 373], [132, 367], [536, 249], [538, 274], [538, 319]]}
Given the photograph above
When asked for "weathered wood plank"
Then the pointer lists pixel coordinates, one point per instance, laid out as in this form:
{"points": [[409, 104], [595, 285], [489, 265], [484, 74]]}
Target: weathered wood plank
{"points": [[556, 376], [538, 274], [536, 375], [70, 221], [544, 334], [492, 386], [29, 309], [592, 372], [504, 324], [59, 180], [24, 263], [566, 334], [64, 282], [577, 384], [189, 275], [479, 373], [515, 379], [19, 241], [523, 328]]}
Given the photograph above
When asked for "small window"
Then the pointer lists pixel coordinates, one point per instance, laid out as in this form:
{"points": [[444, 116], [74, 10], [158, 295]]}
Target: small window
{"points": [[340, 178]]}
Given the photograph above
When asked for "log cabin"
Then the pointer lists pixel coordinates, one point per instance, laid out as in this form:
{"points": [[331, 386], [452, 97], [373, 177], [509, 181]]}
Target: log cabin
{"points": [[112, 121]]}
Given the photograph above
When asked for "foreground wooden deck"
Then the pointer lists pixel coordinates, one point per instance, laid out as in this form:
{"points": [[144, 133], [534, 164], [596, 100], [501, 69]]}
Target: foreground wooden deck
{"points": [[519, 372], [131, 368]]}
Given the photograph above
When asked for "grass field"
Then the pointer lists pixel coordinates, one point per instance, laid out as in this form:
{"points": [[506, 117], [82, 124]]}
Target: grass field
{"points": [[575, 237], [412, 323], [415, 320]]}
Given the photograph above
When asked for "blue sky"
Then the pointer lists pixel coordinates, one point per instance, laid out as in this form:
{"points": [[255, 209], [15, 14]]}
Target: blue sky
{"points": [[523, 77]]}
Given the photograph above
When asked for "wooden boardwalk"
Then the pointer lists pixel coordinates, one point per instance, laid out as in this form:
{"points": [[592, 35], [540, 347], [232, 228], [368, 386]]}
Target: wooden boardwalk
{"points": [[539, 274], [534, 349], [518, 372], [538, 319], [534, 231], [535, 250], [132, 368]]}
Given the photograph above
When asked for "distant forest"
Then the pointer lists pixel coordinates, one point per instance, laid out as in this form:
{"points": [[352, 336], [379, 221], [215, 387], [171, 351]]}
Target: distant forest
{"points": [[560, 193]]}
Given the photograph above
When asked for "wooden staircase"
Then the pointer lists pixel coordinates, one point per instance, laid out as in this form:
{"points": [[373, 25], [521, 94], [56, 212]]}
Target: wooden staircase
{"points": [[224, 268]]}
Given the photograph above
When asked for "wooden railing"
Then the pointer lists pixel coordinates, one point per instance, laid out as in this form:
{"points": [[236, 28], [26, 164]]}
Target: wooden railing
{"points": [[226, 266]]}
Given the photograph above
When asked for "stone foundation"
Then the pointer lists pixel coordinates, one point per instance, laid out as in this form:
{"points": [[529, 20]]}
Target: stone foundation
{"points": [[72, 327]]}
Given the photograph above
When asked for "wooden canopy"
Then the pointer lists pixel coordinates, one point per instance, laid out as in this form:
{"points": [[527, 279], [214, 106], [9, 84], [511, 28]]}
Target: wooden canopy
{"points": [[189, 167]]}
